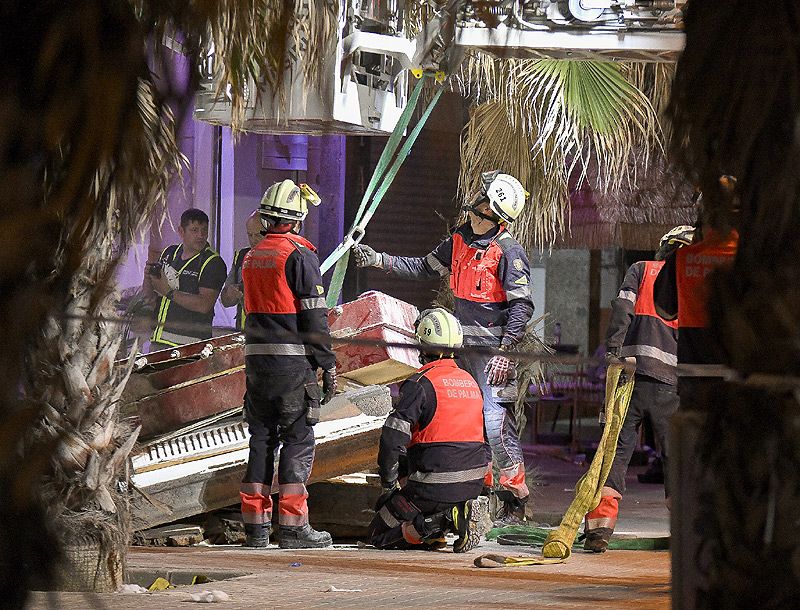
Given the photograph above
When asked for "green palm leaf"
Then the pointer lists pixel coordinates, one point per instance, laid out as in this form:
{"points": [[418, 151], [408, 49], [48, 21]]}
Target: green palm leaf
{"points": [[572, 116]]}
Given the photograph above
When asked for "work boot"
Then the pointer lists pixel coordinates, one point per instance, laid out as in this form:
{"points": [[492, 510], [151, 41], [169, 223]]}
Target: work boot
{"points": [[597, 540], [302, 537], [654, 474], [434, 544], [469, 523], [256, 536]]}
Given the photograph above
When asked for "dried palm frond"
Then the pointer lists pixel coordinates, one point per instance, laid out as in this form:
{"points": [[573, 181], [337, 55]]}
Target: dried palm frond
{"points": [[530, 372], [490, 142], [552, 120], [252, 42]]}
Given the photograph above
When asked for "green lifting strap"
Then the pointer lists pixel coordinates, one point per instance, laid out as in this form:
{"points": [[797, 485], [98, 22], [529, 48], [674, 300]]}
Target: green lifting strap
{"points": [[383, 176]]}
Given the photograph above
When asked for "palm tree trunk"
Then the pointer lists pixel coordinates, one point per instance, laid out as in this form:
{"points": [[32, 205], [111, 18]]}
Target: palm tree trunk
{"points": [[74, 377], [735, 111]]}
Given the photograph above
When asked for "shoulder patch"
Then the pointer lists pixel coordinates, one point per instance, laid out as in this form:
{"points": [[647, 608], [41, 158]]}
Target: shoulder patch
{"points": [[522, 281], [518, 264]]}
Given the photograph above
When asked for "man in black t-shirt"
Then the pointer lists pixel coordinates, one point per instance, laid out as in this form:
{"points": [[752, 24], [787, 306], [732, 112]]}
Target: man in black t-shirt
{"points": [[188, 278]]}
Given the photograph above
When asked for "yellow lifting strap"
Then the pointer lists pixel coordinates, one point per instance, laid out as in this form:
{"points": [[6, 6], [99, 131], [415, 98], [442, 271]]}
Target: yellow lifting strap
{"points": [[619, 388], [556, 549]]}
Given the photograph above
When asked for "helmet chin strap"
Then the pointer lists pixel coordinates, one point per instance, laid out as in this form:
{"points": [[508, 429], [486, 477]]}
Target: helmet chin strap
{"points": [[473, 207], [428, 358], [291, 226], [482, 215]]}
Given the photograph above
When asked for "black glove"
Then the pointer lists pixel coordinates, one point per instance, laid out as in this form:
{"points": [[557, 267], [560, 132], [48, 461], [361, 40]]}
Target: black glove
{"points": [[364, 256], [386, 494], [612, 356], [329, 384]]}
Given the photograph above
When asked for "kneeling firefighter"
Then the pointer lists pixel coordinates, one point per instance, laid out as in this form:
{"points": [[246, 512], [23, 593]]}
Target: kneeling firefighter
{"points": [[490, 278], [439, 421], [285, 305]]}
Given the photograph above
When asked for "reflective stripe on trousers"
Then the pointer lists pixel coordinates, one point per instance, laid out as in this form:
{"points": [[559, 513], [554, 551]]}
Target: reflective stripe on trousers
{"points": [[292, 504], [501, 429], [256, 503], [513, 479], [175, 339], [605, 515]]}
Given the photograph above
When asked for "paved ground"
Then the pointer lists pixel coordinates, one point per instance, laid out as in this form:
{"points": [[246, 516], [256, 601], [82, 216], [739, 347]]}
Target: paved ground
{"points": [[381, 579], [620, 579], [642, 508]]}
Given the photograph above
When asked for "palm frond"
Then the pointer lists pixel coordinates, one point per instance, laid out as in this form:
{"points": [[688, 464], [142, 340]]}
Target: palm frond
{"points": [[550, 121]]}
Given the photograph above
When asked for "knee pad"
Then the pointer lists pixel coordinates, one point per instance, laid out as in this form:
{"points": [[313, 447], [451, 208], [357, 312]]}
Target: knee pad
{"points": [[402, 508]]}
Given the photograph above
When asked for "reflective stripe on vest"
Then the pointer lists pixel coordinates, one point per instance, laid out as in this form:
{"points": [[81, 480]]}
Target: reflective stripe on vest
{"points": [[459, 406], [276, 349], [644, 305], [158, 333], [694, 263], [238, 259], [473, 271], [264, 274]]}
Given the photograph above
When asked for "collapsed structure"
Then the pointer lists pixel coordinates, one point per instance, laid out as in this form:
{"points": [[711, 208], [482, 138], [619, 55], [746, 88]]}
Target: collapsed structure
{"points": [[188, 401]]}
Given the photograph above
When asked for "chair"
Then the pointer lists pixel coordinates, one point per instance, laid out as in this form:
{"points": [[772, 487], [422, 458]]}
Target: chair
{"points": [[560, 388]]}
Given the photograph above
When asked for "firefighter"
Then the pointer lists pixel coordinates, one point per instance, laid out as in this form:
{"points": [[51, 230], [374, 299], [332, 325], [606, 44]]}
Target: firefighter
{"points": [[636, 330], [439, 421], [681, 294], [490, 278], [286, 342], [233, 291]]}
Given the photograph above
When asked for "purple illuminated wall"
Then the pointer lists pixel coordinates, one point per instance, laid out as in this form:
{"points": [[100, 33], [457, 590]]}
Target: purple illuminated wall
{"points": [[239, 173]]}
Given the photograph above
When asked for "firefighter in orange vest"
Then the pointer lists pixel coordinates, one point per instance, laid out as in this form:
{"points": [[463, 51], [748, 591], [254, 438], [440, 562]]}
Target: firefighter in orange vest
{"points": [[286, 332], [681, 294], [636, 330], [438, 421], [490, 277]]}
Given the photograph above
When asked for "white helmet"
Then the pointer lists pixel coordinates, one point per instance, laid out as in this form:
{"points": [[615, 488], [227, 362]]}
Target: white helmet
{"points": [[288, 201], [440, 328], [672, 240], [505, 193]]}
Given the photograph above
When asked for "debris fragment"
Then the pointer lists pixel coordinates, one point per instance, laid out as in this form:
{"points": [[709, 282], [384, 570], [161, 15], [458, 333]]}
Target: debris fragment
{"points": [[131, 589], [210, 597], [333, 589], [159, 584]]}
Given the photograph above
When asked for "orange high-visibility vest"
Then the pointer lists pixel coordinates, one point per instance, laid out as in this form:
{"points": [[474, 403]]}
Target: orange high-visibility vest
{"points": [[693, 264], [473, 271], [266, 288], [459, 406], [644, 300]]}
